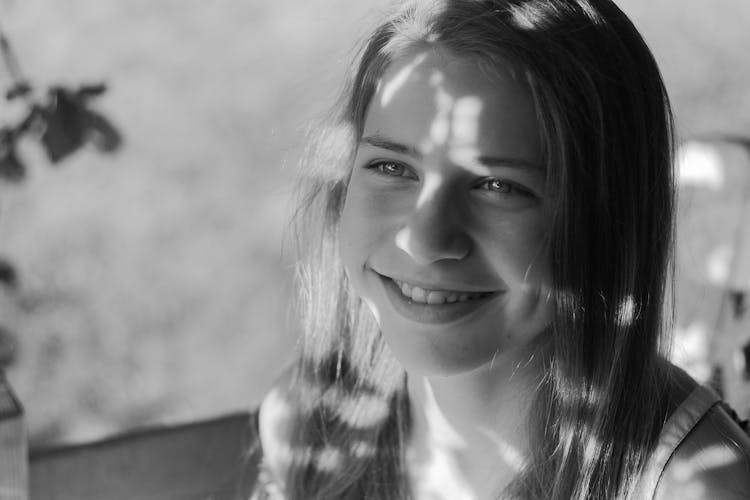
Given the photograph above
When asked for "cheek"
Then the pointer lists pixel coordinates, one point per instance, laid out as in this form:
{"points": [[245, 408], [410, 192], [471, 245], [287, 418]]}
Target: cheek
{"points": [[368, 220], [360, 236], [359, 229], [350, 235], [517, 248]]}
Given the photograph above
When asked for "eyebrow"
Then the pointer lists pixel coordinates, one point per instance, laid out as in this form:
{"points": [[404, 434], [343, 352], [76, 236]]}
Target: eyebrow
{"points": [[384, 143], [381, 142]]}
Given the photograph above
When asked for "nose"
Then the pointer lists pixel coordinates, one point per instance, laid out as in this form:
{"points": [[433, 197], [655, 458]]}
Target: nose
{"points": [[435, 231]]}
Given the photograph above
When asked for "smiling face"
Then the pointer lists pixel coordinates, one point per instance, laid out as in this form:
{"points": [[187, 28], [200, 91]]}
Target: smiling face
{"points": [[444, 226]]}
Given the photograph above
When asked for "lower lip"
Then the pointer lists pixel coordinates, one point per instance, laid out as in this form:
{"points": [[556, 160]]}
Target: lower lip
{"points": [[433, 313]]}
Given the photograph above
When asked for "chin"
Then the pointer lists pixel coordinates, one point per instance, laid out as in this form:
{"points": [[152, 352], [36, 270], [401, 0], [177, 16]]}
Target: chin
{"points": [[436, 357]]}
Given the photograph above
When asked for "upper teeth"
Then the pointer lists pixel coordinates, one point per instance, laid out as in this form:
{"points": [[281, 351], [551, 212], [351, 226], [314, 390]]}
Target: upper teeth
{"points": [[423, 296]]}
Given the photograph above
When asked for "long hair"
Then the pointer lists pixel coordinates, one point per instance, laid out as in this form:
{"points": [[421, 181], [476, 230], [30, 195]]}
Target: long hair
{"points": [[607, 135]]}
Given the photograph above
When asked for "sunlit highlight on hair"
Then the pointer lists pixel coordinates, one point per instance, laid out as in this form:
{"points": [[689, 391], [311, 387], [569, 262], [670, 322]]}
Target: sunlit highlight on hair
{"points": [[359, 411], [362, 449], [627, 311], [328, 459]]}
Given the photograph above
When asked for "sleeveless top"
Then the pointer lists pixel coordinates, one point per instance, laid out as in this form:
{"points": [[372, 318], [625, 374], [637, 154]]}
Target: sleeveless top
{"points": [[678, 426], [698, 404], [675, 430]]}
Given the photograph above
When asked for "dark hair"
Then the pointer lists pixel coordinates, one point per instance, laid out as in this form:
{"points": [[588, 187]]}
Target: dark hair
{"points": [[607, 134]]}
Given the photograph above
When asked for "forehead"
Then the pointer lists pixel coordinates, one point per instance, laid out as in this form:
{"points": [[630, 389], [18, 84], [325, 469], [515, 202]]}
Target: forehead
{"points": [[435, 99]]}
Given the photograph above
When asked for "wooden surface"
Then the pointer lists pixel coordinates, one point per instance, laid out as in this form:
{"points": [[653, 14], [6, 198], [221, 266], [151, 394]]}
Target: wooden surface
{"points": [[13, 466], [212, 460]]}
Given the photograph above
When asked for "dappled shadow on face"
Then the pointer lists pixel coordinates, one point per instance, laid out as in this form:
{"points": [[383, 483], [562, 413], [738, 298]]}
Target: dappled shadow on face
{"points": [[392, 86], [454, 127]]}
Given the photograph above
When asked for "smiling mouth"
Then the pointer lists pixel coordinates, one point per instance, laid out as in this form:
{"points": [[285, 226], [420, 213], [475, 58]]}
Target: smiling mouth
{"points": [[429, 306], [436, 297]]}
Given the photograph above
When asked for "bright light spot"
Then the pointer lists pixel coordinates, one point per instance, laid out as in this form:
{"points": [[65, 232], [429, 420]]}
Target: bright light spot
{"points": [[435, 479], [439, 427], [277, 412], [466, 157], [432, 182], [466, 120], [362, 450], [280, 456], [714, 457], [328, 459], [719, 263], [700, 165], [399, 79], [690, 472], [691, 351], [436, 78], [362, 411], [404, 237], [403, 240], [524, 17], [592, 449], [682, 481], [626, 311], [373, 309], [441, 124], [507, 452]]}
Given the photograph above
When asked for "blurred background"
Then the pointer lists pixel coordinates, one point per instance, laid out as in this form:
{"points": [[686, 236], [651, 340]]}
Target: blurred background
{"points": [[153, 284]]}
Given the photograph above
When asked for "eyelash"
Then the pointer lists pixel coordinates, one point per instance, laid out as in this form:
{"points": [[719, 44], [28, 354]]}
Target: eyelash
{"points": [[509, 187], [406, 172], [379, 166]]}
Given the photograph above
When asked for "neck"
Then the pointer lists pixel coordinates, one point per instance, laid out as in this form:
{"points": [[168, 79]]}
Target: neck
{"points": [[474, 423]]}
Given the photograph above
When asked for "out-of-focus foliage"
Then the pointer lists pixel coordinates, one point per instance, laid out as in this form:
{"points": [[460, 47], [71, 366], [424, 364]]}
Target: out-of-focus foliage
{"points": [[153, 285], [700, 47]]}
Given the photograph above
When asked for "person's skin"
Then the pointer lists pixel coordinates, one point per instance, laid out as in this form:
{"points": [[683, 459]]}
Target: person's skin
{"points": [[447, 195]]}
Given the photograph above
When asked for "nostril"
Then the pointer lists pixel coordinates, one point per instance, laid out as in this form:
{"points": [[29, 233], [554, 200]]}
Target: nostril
{"points": [[431, 244]]}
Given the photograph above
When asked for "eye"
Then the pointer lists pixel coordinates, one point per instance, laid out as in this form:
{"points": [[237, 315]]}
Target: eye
{"points": [[498, 186], [391, 169], [505, 188]]}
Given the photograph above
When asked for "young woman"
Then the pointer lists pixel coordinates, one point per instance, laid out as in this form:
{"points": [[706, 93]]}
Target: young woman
{"points": [[488, 230]]}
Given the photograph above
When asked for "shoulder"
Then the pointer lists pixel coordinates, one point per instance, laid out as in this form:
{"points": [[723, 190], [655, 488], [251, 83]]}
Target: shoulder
{"points": [[276, 423], [712, 462]]}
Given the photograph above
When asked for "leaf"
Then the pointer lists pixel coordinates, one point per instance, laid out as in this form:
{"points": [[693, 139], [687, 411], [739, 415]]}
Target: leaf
{"points": [[102, 133], [11, 167], [19, 89], [65, 124], [8, 274]]}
